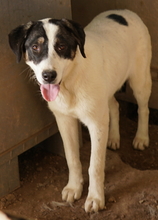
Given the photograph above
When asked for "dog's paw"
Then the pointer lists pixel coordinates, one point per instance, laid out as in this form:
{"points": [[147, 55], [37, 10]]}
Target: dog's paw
{"points": [[70, 194], [140, 143], [113, 143], [93, 204]]}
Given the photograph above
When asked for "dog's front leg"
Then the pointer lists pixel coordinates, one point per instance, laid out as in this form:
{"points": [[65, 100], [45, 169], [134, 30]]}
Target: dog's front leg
{"points": [[68, 127], [99, 135]]}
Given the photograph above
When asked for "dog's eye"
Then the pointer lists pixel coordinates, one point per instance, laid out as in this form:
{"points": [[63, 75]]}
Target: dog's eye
{"points": [[61, 47], [35, 48]]}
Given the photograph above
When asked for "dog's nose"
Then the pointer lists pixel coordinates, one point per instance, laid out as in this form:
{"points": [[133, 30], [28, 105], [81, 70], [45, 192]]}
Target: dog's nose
{"points": [[49, 76]]}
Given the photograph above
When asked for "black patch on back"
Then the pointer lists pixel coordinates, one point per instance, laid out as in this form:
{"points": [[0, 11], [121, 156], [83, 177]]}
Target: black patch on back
{"points": [[118, 18], [35, 32]]}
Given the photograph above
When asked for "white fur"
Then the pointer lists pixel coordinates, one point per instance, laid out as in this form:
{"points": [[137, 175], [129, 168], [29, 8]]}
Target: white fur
{"points": [[115, 53], [3, 216]]}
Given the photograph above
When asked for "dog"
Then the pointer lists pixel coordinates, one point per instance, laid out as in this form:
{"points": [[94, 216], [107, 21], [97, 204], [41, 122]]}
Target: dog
{"points": [[79, 70]]}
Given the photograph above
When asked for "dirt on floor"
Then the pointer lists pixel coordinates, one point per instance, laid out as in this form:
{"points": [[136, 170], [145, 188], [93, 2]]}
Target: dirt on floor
{"points": [[131, 184]]}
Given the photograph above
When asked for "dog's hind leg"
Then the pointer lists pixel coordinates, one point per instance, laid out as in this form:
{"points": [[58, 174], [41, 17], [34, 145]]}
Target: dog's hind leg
{"points": [[114, 136], [68, 127], [141, 85]]}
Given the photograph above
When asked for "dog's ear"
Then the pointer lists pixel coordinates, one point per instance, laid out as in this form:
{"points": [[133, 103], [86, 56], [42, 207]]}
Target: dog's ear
{"points": [[77, 31], [17, 39]]}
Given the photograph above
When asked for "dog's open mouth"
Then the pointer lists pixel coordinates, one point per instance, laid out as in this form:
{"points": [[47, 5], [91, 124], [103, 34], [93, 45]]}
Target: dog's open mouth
{"points": [[50, 91]]}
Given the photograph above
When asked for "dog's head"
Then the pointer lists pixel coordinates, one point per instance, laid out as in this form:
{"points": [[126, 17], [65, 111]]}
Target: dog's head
{"points": [[48, 46]]}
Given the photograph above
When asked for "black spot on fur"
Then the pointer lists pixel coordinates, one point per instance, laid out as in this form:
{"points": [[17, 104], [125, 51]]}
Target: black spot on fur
{"points": [[118, 18], [65, 46], [70, 35], [24, 37], [36, 32]]}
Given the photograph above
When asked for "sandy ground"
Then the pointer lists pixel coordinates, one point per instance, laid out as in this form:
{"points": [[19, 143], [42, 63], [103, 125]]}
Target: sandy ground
{"points": [[131, 184]]}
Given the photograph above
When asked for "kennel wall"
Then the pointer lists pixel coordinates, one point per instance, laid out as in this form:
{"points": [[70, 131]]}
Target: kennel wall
{"points": [[25, 119]]}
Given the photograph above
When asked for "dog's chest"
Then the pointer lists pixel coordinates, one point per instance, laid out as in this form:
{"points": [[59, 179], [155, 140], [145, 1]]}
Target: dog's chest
{"points": [[66, 105], [70, 105]]}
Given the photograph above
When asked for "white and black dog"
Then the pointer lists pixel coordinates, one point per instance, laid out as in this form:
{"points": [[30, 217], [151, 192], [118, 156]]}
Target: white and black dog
{"points": [[79, 72]]}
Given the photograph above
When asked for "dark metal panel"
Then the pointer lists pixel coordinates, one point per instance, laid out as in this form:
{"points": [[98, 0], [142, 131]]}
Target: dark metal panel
{"points": [[22, 111]]}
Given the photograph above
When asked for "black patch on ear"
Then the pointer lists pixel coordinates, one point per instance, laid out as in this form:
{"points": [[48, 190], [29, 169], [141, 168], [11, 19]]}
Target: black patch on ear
{"points": [[118, 18], [17, 39], [72, 31], [78, 33]]}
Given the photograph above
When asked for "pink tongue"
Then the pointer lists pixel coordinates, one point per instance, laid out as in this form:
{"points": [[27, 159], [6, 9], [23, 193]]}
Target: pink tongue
{"points": [[49, 91]]}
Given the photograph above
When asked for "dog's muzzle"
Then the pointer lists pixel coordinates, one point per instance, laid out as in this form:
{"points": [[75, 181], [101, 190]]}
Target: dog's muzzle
{"points": [[49, 76]]}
